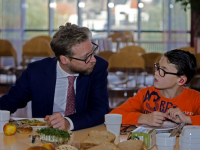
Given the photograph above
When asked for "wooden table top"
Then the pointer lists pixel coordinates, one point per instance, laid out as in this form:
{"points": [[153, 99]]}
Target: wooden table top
{"points": [[20, 141]]}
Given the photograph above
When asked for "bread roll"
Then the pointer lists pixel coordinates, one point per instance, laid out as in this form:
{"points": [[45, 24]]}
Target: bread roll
{"points": [[37, 148], [95, 138], [105, 146], [24, 128], [132, 145]]}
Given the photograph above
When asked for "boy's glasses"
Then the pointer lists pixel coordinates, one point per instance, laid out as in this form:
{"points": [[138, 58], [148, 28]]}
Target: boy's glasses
{"points": [[87, 59], [163, 72]]}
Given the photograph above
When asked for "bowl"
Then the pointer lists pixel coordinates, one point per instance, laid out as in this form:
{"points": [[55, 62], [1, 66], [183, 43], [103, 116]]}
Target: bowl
{"points": [[189, 145], [183, 148], [191, 132], [188, 140]]}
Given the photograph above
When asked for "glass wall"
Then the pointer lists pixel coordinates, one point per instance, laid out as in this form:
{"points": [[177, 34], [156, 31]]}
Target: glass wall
{"points": [[157, 25]]}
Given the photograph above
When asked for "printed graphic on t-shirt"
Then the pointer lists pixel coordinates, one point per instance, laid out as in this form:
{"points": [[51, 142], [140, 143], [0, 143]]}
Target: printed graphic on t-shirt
{"points": [[153, 102]]}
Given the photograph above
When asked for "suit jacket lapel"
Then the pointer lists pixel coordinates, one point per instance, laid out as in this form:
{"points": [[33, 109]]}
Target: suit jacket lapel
{"points": [[49, 82], [81, 90]]}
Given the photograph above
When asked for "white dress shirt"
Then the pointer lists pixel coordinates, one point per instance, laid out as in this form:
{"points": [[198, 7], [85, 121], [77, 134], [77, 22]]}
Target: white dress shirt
{"points": [[60, 97]]}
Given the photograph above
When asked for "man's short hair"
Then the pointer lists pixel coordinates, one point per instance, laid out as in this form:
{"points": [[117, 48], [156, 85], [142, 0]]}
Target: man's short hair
{"points": [[184, 61], [68, 36]]}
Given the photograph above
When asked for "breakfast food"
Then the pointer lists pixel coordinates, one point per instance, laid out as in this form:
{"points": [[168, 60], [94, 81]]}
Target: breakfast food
{"points": [[66, 147], [95, 138], [24, 128], [53, 135], [37, 148], [132, 144], [33, 122], [105, 146]]}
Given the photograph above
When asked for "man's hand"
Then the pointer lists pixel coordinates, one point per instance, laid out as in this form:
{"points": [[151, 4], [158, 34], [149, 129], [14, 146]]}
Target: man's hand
{"points": [[176, 115], [152, 119], [57, 121]]}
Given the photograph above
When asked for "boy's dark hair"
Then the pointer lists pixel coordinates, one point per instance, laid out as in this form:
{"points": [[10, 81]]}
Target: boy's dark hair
{"points": [[68, 36], [184, 61]]}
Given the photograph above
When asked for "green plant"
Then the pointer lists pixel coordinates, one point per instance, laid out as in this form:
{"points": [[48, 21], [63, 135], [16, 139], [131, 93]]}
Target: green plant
{"points": [[194, 5]]}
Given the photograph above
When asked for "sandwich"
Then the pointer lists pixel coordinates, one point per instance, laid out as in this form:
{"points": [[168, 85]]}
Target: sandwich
{"points": [[132, 145], [33, 122], [105, 146], [95, 138], [53, 135]]}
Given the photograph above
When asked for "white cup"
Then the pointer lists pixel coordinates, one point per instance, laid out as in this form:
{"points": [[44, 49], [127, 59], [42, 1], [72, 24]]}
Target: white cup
{"points": [[113, 123], [164, 142], [4, 118]]}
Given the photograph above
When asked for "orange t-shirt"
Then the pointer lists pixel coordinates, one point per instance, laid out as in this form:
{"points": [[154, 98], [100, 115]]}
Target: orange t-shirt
{"points": [[149, 99]]}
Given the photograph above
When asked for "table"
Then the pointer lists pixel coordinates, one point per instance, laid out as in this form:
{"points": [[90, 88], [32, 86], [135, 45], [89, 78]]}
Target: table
{"points": [[23, 142]]}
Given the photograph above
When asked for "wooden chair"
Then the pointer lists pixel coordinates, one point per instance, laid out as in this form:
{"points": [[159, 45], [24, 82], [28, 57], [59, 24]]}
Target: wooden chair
{"points": [[106, 54], [125, 74], [48, 38], [197, 56], [149, 59], [190, 49], [7, 50], [117, 38], [36, 47], [157, 59], [133, 48]]}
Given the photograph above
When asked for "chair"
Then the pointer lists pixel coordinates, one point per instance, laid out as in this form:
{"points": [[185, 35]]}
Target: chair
{"points": [[133, 48], [106, 54], [197, 56], [128, 37], [129, 79], [157, 59], [190, 49], [149, 59], [36, 47], [7, 50], [48, 38], [117, 38]]}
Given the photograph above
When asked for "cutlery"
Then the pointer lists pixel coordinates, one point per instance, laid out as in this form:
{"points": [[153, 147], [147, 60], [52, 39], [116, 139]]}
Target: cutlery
{"points": [[176, 130], [33, 137]]}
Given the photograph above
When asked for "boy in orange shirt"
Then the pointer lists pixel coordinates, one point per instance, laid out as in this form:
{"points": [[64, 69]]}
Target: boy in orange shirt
{"points": [[168, 99]]}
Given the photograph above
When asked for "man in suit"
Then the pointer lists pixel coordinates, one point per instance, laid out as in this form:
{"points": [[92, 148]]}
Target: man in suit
{"points": [[63, 103]]}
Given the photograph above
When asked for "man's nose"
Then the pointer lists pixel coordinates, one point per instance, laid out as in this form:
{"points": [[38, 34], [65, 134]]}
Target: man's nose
{"points": [[93, 59]]}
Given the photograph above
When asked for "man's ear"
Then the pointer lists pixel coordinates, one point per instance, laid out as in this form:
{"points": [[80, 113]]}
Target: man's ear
{"points": [[182, 80], [64, 60]]}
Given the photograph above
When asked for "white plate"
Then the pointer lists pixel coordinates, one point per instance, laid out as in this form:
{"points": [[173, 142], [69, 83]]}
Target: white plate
{"points": [[34, 127], [166, 126]]}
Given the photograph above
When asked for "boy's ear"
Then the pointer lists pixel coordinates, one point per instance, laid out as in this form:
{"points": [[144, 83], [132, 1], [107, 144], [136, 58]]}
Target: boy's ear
{"points": [[182, 80], [64, 60]]}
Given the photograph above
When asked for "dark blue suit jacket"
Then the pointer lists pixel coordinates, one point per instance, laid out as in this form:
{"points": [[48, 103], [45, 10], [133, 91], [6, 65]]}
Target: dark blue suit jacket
{"points": [[37, 83]]}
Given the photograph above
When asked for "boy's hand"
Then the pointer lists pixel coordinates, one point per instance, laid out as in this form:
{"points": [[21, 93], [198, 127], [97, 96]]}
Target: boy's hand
{"points": [[176, 115], [153, 119]]}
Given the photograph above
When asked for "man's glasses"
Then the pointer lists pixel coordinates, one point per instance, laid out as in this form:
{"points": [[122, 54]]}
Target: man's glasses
{"points": [[87, 59], [163, 72]]}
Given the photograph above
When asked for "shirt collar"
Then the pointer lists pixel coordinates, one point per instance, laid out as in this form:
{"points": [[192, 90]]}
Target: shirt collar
{"points": [[61, 73]]}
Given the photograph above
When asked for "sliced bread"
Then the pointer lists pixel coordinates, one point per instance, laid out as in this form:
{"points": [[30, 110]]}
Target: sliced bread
{"points": [[132, 145], [105, 146], [95, 138]]}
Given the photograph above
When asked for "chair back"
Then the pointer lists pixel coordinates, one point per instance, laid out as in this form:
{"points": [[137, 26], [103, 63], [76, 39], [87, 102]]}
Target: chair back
{"points": [[197, 56], [133, 48], [126, 61], [149, 59], [7, 50], [48, 38], [157, 59], [106, 54], [189, 49], [36, 47]]}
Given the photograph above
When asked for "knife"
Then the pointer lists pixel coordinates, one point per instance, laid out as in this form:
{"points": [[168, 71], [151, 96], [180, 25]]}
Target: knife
{"points": [[176, 130], [33, 138]]}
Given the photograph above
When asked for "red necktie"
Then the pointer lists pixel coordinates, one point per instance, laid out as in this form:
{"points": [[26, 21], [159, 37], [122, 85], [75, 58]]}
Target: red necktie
{"points": [[70, 105]]}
